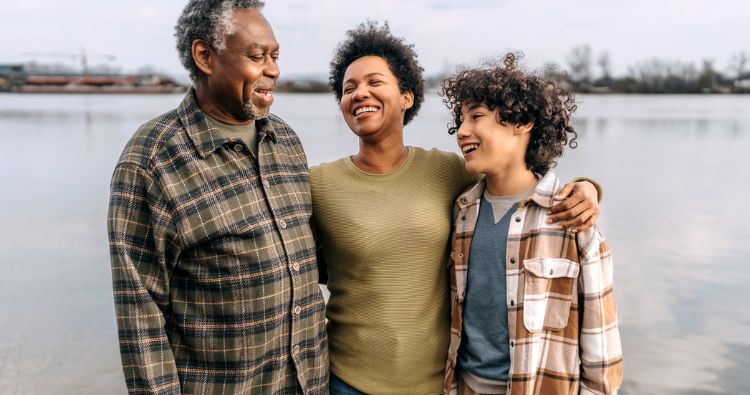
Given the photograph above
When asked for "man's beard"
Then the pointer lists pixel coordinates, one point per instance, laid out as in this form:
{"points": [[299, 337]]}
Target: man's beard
{"points": [[251, 112]]}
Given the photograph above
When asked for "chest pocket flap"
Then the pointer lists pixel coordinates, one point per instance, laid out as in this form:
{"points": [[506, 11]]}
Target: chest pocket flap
{"points": [[549, 288]]}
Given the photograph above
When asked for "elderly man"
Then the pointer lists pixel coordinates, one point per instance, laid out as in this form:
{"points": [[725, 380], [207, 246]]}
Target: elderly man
{"points": [[213, 262]]}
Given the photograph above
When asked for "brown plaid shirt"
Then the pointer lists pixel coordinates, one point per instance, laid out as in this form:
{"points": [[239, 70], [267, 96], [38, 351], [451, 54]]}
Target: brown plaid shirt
{"points": [[562, 319], [213, 261]]}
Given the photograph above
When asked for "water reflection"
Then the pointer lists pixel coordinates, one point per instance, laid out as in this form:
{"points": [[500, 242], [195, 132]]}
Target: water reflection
{"points": [[674, 170]]}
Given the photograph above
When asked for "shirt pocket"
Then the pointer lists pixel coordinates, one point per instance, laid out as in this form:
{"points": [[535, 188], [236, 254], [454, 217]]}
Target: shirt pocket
{"points": [[549, 288]]}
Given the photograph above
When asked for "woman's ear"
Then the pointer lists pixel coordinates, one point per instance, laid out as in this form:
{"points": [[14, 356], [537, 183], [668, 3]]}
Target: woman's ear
{"points": [[408, 101]]}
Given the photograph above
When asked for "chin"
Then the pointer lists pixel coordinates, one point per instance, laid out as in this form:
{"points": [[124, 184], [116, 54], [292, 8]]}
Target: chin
{"points": [[255, 113], [472, 169]]}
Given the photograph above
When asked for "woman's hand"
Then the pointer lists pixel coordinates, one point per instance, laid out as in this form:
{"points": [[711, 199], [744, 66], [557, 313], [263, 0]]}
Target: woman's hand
{"points": [[579, 208]]}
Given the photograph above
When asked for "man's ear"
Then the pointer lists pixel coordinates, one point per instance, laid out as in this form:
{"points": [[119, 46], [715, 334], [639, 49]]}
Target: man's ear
{"points": [[408, 97], [202, 56]]}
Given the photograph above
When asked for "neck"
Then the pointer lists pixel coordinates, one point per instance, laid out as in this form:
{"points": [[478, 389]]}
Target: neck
{"points": [[207, 103], [510, 181], [382, 156]]}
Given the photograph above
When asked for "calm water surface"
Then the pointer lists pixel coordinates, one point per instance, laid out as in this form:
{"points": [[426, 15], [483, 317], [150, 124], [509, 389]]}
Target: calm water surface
{"points": [[675, 170]]}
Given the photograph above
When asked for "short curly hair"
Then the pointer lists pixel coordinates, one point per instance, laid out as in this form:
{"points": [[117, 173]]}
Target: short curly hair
{"points": [[520, 97], [371, 39], [207, 20]]}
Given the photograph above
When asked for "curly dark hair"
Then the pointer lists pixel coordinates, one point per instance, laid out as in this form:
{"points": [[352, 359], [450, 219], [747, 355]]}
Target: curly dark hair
{"points": [[520, 97], [207, 20], [371, 39]]}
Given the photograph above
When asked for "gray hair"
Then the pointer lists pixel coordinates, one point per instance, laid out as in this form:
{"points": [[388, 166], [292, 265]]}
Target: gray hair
{"points": [[207, 20]]}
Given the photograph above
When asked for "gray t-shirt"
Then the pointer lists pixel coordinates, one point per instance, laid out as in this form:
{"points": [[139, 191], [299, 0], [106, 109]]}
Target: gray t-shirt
{"points": [[484, 354], [247, 133]]}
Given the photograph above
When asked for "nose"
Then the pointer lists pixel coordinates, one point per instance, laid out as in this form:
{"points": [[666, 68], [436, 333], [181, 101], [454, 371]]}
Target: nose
{"points": [[463, 131], [272, 70], [360, 92]]}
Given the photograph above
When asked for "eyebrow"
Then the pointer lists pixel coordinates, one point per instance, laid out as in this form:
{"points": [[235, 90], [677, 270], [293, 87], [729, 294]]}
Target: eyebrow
{"points": [[368, 75], [264, 47]]}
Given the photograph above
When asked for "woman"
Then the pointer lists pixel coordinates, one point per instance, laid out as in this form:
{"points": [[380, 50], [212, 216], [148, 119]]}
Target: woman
{"points": [[383, 220]]}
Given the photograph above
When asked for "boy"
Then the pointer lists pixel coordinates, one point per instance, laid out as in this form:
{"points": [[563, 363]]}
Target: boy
{"points": [[532, 305]]}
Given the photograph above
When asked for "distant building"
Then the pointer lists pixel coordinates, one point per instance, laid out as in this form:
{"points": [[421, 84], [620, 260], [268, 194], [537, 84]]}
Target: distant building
{"points": [[34, 79], [11, 76], [742, 84]]}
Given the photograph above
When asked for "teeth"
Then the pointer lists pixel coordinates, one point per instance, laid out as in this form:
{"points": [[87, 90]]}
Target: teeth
{"points": [[365, 109], [469, 147]]}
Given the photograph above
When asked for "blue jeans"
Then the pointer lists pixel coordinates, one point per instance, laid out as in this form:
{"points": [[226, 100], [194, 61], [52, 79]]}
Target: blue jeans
{"points": [[338, 387]]}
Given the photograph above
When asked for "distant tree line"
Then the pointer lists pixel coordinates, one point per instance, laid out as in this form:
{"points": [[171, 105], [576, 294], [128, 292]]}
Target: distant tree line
{"points": [[583, 72], [589, 74]]}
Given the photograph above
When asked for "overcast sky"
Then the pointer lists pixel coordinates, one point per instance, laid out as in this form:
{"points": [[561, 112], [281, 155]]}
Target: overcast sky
{"points": [[444, 32]]}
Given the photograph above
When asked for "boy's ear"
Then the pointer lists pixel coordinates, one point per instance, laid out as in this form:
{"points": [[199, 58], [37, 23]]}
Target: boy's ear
{"points": [[524, 128]]}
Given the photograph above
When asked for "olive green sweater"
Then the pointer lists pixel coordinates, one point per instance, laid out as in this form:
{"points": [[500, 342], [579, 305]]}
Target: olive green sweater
{"points": [[385, 238]]}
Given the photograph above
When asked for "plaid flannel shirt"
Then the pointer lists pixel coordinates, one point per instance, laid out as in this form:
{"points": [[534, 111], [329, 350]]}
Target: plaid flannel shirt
{"points": [[213, 261], [562, 319]]}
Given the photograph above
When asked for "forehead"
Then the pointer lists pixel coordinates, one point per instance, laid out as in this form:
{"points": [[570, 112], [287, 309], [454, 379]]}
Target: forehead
{"points": [[473, 106], [367, 65], [250, 28]]}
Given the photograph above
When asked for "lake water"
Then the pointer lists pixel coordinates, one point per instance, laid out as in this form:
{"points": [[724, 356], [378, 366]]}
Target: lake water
{"points": [[674, 170]]}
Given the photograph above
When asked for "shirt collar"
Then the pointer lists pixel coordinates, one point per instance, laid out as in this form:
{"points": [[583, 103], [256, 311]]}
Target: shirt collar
{"points": [[205, 138], [544, 190]]}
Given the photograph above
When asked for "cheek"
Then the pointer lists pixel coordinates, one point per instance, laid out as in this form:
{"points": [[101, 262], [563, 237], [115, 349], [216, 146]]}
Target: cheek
{"points": [[344, 105]]}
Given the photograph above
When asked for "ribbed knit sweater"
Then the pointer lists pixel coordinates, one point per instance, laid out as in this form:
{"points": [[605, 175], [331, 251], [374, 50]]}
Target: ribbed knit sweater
{"points": [[385, 240]]}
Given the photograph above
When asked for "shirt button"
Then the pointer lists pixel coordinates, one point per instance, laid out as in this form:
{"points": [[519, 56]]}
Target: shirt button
{"points": [[282, 223], [550, 272], [297, 310], [512, 343], [512, 260], [463, 217], [238, 147], [295, 267], [461, 255], [518, 219], [295, 350], [512, 303], [266, 183]]}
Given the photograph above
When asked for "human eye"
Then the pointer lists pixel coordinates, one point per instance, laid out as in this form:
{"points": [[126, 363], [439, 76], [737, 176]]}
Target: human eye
{"points": [[256, 57], [348, 89]]}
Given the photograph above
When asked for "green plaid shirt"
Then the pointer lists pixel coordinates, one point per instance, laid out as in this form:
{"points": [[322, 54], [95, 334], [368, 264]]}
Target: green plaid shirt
{"points": [[213, 261]]}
